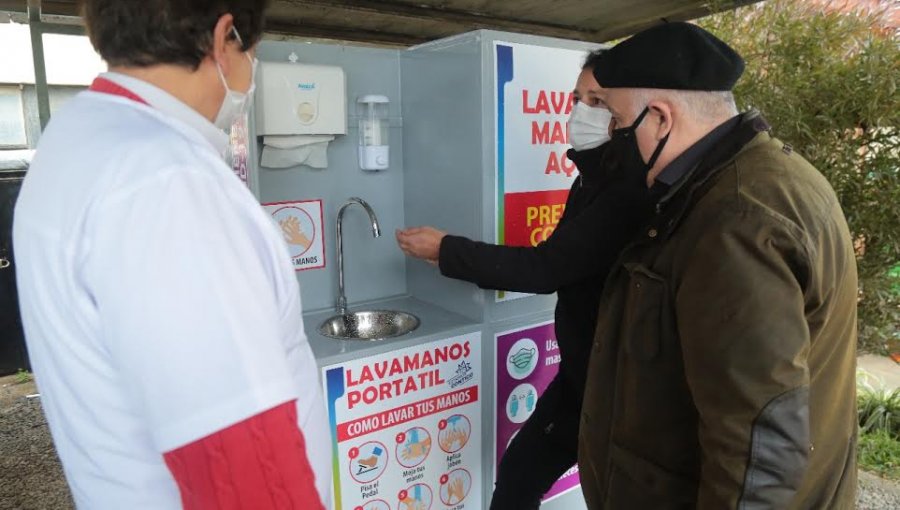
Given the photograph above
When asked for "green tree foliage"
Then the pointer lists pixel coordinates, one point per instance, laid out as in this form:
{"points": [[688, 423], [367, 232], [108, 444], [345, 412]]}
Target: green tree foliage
{"points": [[829, 83]]}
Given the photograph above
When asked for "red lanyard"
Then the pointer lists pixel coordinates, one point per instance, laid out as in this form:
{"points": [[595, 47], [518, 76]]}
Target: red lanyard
{"points": [[105, 86]]}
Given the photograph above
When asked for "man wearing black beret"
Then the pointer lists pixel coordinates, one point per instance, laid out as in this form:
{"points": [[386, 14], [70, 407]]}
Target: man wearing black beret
{"points": [[723, 368]]}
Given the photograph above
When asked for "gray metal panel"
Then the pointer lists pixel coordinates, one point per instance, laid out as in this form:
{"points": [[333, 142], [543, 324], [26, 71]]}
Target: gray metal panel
{"points": [[443, 174], [449, 104], [553, 42], [443, 136], [374, 268]]}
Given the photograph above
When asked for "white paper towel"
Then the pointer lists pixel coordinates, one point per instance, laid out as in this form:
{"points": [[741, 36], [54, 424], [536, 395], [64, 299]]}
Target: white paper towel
{"points": [[290, 151]]}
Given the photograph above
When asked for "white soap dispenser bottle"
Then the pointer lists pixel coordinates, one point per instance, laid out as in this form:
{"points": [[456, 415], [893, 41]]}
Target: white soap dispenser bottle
{"points": [[374, 126]]}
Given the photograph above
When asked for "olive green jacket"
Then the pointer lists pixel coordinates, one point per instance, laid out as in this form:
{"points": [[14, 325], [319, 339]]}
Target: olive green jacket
{"points": [[723, 368]]}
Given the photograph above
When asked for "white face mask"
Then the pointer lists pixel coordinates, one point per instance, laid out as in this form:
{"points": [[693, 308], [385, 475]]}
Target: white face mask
{"points": [[235, 103], [588, 126]]}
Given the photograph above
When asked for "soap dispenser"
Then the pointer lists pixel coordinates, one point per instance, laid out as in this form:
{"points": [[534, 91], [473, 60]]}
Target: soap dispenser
{"points": [[374, 126]]}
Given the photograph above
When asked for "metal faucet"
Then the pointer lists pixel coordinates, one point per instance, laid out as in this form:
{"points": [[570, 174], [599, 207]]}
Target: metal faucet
{"points": [[341, 304]]}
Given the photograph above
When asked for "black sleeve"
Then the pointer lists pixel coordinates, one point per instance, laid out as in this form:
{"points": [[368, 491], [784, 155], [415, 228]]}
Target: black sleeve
{"points": [[583, 247]]}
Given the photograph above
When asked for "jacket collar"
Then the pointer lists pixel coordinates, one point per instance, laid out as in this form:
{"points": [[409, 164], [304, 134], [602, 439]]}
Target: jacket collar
{"points": [[675, 173], [675, 203]]}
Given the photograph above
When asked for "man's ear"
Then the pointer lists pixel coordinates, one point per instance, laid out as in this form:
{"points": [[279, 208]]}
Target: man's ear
{"points": [[222, 37], [663, 113]]}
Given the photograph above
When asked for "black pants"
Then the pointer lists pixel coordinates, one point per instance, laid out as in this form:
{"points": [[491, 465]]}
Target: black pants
{"points": [[545, 448]]}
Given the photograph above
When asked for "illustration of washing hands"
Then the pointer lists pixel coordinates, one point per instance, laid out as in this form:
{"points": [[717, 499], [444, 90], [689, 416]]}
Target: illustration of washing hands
{"points": [[412, 504], [454, 440], [415, 501], [293, 232], [456, 491], [416, 450]]}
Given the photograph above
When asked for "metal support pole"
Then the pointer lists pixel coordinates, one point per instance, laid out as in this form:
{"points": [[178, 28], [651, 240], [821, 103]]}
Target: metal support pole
{"points": [[40, 68]]}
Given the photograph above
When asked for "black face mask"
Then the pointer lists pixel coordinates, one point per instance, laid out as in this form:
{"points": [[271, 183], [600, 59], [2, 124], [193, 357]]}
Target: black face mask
{"points": [[624, 154], [591, 165]]}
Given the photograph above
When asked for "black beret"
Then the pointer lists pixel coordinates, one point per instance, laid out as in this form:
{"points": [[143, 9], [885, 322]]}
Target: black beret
{"points": [[675, 56]]}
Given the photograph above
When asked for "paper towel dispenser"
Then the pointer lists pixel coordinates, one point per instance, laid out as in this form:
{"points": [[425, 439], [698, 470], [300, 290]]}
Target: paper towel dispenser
{"points": [[301, 99]]}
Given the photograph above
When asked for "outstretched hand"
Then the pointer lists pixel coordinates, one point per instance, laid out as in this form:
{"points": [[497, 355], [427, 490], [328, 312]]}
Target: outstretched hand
{"points": [[421, 242]]}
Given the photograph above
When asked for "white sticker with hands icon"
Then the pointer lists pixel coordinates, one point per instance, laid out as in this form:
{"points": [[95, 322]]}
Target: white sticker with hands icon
{"points": [[300, 225]]}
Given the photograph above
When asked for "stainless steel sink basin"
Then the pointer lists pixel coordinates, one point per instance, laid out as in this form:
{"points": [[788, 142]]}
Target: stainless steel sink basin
{"points": [[369, 325]]}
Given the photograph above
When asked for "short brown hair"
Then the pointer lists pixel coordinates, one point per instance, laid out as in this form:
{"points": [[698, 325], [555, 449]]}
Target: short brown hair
{"points": [[142, 33]]}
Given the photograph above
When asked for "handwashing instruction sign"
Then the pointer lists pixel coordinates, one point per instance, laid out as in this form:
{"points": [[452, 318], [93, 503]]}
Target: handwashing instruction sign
{"points": [[301, 225], [406, 428], [527, 360], [533, 86]]}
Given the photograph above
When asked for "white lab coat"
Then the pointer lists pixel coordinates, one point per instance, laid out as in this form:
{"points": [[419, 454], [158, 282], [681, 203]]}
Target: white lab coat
{"points": [[158, 299]]}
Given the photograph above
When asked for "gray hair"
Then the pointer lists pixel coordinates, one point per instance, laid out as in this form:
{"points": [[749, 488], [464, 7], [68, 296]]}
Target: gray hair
{"points": [[706, 107]]}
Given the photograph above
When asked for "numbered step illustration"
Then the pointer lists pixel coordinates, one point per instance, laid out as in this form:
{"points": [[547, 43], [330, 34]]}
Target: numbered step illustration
{"points": [[368, 462], [455, 486], [416, 497], [413, 447], [401, 420], [454, 433]]}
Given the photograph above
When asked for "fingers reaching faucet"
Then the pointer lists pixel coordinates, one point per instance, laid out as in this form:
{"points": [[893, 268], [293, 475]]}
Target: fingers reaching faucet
{"points": [[421, 242]]}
